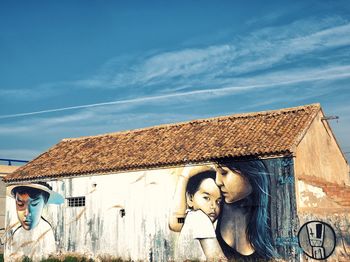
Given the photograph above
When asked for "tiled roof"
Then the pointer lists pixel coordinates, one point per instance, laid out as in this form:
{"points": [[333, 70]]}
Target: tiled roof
{"points": [[260, 134]]}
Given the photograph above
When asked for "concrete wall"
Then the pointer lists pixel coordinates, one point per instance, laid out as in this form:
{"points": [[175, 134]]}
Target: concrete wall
{"points": [[318, 155], [2, 203], [2, 212], [99, 230], [4, 170], [323, 185]]}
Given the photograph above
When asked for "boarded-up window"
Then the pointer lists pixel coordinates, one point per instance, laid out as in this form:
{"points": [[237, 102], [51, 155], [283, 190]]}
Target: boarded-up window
{"points": [[76, 201]]}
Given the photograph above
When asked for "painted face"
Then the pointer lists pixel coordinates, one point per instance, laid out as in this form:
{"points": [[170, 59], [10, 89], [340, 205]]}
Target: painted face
{"points": [[29, 210], [207, 198], [233, 185]]}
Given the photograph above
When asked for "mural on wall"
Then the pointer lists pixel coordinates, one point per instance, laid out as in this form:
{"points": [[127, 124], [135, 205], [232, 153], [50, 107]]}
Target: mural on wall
{"points": [[317, 239], [221, 211], [32, 233]]}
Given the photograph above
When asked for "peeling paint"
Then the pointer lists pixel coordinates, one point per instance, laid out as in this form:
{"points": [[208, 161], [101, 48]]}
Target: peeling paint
{"points": [[313, 196], [98, 229]]}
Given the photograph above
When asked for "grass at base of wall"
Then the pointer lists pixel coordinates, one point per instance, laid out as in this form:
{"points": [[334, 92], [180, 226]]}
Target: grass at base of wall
{"points": [[1, 257], [79, 258], [75, 258]]}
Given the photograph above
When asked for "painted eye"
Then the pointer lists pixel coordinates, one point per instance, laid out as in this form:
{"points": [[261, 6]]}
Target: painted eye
{"points": [[206, 198], [20, 204], [223, 172], [34, 204]]}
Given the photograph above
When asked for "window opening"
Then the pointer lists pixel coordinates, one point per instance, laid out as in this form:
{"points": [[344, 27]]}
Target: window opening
{"points": [[76, 201]]}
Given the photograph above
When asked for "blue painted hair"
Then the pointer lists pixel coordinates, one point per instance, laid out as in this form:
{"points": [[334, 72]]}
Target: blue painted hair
{"points": [[257, 204]]}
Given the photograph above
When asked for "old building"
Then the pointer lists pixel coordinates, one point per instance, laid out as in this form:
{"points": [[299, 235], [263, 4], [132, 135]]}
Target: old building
{"points": [[4, 170], [119, 187]]}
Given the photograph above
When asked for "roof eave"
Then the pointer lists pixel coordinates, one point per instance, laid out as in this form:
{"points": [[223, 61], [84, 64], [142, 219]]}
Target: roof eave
{"points": [[51, 177]]}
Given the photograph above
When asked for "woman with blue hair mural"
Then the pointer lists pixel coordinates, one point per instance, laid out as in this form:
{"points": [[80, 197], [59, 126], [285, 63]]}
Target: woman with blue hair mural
{"points": [[242, 230]]}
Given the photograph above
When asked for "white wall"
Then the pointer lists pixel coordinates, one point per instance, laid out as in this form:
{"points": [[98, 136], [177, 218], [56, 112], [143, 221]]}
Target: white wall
{"points": [[98, 228], [2, 210]]}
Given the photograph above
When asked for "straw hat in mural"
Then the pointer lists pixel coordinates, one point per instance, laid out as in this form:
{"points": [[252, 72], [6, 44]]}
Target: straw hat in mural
{"points": [[54, 197]]}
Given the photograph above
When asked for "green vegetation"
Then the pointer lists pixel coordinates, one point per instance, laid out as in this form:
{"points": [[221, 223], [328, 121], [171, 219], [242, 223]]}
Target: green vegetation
{"points": [[68, 258], [1, 257], [75, 258]]}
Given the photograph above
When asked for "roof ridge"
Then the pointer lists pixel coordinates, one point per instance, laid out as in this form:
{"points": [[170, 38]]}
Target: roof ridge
{"points": [[198, 121]]}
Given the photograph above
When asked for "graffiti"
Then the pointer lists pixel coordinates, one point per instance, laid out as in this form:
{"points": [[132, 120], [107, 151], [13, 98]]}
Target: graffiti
{"points": [[289, 242], [286, 180], [227, 210], [243, 220], [34, 231], [317, 239]]}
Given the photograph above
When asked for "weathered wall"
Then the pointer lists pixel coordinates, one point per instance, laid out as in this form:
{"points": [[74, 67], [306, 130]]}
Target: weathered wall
{"points": [[315, 197], [99, 230], [284, 220], [340, 223], [2, 203], [2, 212], [322, 185], [318, 155], [4, 170]]}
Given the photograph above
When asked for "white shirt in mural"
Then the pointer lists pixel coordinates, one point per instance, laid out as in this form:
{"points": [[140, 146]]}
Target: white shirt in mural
{"points": [[197, 226], [36, 243]]}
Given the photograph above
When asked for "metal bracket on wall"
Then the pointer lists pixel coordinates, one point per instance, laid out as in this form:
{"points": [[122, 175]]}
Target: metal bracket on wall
{"points": [[330, 118]]}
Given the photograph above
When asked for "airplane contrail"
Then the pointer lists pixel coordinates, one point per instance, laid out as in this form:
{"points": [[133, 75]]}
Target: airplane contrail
{"points": [[127, 101], [213, 91]]}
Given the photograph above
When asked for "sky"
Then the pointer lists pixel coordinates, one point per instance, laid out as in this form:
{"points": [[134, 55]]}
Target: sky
{"points": [[81, 68]]}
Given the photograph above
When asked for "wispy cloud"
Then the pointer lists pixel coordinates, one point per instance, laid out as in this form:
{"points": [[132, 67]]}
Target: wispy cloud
{"points": [[260, 60], [88, 122], [211, 66], [276, 79], [246, 61]]}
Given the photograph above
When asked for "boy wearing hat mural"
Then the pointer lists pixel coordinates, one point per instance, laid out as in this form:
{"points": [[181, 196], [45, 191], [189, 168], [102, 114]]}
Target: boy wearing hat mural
{"points": [[33, 235]]}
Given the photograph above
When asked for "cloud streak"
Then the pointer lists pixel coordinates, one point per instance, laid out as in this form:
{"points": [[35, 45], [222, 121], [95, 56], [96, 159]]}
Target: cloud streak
{"points": [[261, 50], [279, 79], [246, 61]]}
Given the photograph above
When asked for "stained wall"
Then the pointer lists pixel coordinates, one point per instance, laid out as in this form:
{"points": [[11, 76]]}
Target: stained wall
{"points": [[319, 156], [4, 170], [126, 214]]}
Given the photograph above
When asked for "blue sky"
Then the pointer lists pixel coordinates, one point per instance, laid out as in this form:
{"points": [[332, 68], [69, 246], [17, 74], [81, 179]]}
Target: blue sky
{"points": [[79, 68]]}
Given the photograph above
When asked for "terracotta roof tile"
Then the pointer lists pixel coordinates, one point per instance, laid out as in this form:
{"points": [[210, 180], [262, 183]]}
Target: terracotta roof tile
{"points": [[243, 135]]}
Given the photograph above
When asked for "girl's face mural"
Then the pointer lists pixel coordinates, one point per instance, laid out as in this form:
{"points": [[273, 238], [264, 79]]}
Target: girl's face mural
{"points": [[233, 185], [207, 198], [29, 210]]}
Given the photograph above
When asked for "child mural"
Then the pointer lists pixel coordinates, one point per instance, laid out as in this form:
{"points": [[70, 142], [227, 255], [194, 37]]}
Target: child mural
{"points": [[242, 230], [34, 236], [197, 238]]}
